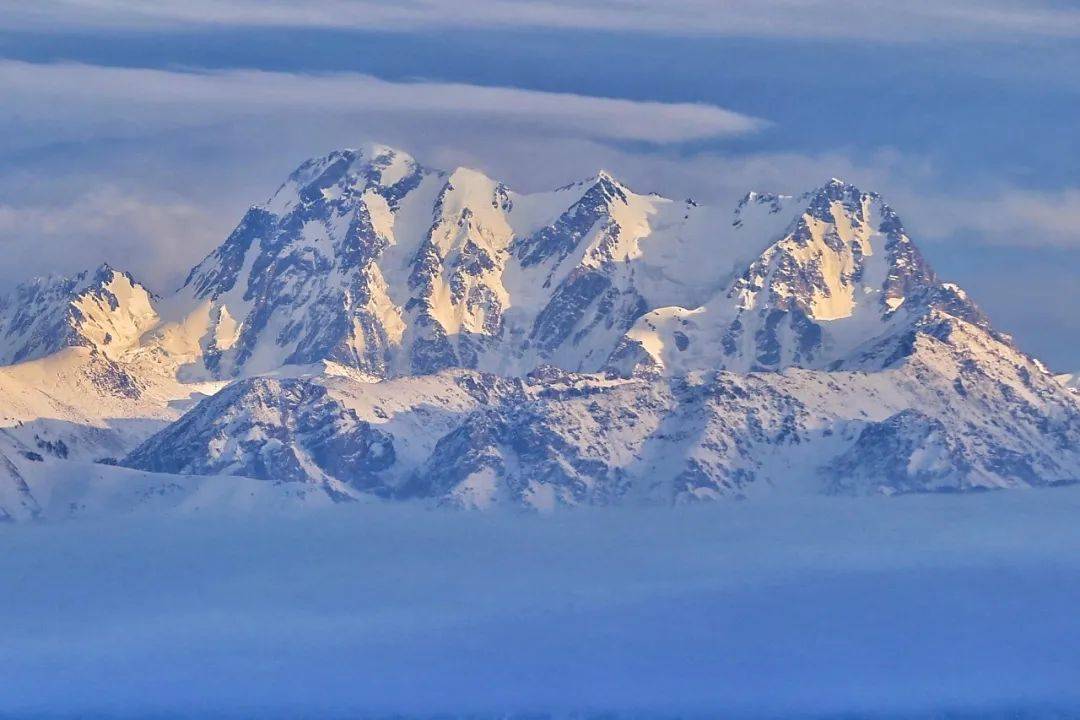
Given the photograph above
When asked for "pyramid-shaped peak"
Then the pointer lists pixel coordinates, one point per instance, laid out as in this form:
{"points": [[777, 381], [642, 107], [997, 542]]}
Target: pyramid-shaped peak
{"points": [[820, 201], [605, 178], [106, 273], [836, 187], [605, 187], [602, 180]]}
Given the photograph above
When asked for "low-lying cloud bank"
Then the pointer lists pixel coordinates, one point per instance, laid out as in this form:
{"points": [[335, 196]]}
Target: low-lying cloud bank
{"points": [[876, 606]]}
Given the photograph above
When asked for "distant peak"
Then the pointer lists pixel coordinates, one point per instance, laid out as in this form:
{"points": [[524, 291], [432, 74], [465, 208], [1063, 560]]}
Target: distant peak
{"points": [[463, 174], [339, 171], [835, 186], [105, 272], [353, 158], [380, 151], [75, 282], [372, 149], [603, 179], [773, 202], [606, 178], [757, 196], [820, 201]]}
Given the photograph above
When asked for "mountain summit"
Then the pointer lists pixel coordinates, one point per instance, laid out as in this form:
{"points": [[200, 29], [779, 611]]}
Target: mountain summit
{"points": [[389, 329]]}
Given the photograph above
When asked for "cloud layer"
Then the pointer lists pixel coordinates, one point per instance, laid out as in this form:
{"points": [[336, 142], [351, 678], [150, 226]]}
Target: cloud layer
{"points": [[124, 98], [865, 19], [814, 607]]}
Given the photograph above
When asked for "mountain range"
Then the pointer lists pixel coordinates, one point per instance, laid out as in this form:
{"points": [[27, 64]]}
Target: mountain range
{"points": [[380, 329]]}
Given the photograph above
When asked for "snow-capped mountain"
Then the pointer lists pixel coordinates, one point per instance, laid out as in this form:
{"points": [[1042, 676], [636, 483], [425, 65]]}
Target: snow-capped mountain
{"points": [[370, 260], [399, 331], [839, 289], [1070, 380], [106, 310], [938, 421]]}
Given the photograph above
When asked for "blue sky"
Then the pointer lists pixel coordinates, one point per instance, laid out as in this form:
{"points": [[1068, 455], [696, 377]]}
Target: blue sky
{"points": [[138, 133]]}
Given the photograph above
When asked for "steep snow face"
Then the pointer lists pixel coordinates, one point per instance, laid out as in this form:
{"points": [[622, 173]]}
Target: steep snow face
{"points": [[1071, 381], [575, 277], [403, 332], [77, 404], [16, 500], [105, 310], [366, 259], [842, 274], [454, 295], [296, 281]]}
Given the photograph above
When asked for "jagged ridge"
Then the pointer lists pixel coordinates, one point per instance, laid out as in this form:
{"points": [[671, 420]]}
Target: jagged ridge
{"points": [[586, 345]]}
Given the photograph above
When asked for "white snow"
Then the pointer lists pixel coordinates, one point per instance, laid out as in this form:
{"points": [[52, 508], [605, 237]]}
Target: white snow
{"points": [[698, 269]]}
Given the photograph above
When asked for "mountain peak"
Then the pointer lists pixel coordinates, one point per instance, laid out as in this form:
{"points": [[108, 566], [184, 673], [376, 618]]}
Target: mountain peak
{"points": [[105, 274], [851, 199], [836, 188], [450, 290], [603, 175], [609, 181], [104, 309], [347, 173], [603, 181]]}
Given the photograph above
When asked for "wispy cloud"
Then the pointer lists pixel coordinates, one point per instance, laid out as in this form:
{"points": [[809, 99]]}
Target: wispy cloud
{"points": [[150, 168], [72, 99], [870, 19], [103, 224], [1011, 217]]}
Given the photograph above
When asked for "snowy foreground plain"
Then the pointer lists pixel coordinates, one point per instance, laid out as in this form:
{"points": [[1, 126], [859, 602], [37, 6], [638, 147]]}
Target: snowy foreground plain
{"points": [[874, 607]]}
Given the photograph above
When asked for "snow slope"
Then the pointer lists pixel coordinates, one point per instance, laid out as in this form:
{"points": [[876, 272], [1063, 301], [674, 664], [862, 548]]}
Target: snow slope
{"points": [[935, 423], [106, 310], [1070, 380], [368, 259], [401, 331], [17, 502]]}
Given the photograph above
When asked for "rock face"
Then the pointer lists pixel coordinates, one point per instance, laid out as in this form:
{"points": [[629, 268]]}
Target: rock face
{"points": [[841, 283], [282, 430], [106, 310], [367, 259], [936, 421], [395, 330]]}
